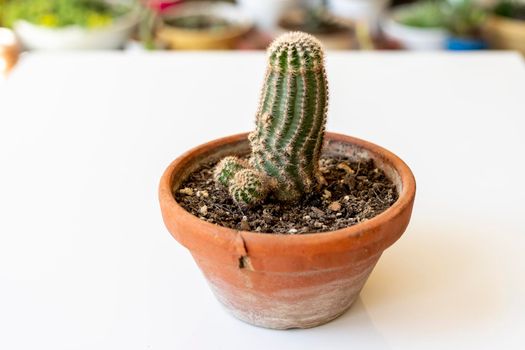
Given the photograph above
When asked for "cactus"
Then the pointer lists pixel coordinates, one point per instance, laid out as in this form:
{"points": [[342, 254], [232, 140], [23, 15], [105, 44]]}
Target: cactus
{"points": [[226, 169], [290, 121], [248, 187], [286, 144]]}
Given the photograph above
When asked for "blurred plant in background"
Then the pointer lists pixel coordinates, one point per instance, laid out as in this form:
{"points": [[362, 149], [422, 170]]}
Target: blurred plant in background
{"points": [[464, 18], [251, 24], [2, 12], [423, 14], [315, 19], [71, 24], [62, 13], [511, 9]]}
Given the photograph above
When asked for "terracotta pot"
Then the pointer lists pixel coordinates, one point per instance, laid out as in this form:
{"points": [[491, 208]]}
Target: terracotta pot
{"points": [[505, 33], [287, 281], [9, 51]]}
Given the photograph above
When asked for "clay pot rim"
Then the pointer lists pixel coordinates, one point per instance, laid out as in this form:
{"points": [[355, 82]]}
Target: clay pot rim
{"points": [[403, 203]]}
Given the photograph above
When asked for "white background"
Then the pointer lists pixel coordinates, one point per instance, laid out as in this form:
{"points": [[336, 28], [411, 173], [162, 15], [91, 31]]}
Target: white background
{"points": [[86, 263]]}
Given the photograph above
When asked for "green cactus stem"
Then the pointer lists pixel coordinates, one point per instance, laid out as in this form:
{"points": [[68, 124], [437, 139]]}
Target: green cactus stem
{"points": [[248, 188], [290, 121], [226, 169]]}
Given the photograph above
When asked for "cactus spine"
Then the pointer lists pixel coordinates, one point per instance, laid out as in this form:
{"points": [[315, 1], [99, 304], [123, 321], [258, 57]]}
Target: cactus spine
{"points": [[226, 169], [290, 121], [248, 187]]}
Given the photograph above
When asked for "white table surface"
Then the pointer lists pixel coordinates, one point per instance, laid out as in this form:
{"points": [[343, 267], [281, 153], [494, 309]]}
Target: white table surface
{"points": [[86, 263]]}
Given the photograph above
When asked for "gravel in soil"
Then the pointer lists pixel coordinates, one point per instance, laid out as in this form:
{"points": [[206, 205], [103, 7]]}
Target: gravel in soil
{"points": [[352, 192]]}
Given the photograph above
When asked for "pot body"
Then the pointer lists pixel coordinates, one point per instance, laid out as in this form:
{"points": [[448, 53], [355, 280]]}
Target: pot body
{"points": [[465, 44], [413, 38], [505, 33], [287, 281], [113, 36], [183, 39]]}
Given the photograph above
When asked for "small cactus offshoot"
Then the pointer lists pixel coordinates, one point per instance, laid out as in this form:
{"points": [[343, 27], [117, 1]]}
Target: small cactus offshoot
{"points": [[248, 187], [226, 169], [290, 121]]}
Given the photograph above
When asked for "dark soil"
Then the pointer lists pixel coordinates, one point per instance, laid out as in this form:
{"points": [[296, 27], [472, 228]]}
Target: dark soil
{"points": [[353, 192]]}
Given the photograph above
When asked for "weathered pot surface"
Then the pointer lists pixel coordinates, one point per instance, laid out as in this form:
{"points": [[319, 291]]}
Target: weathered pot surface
{"points": [[287, 281]]}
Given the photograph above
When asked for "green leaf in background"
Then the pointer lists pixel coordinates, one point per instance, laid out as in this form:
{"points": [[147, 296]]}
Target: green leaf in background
{"points": [[61, 13], [511, 9], [423, 14], [464, 18]]}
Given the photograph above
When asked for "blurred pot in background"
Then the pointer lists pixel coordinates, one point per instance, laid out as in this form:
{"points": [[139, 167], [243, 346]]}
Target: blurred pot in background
{"points": [[367, 11], [63, 24], [203, 26], [505, 26], [317, 21], [9, 51], [418, 26], [266, 13], [464, 22]]}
